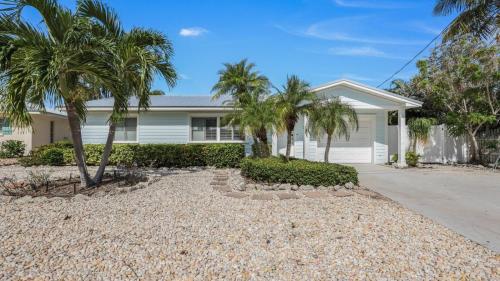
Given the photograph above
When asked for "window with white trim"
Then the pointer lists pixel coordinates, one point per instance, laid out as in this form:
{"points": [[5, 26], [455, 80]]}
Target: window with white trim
{"points": [[230, 133], [126, 130], [204, 129]]}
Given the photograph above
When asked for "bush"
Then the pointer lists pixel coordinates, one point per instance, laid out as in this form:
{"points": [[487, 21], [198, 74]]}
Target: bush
{"points": [[12, 149], [53, 157], [151, 155], [412, 158], [296, 171]]}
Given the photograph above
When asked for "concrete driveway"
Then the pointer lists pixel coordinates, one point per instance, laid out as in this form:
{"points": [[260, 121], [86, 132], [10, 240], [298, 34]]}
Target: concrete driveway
{"points": [[464, 200]]}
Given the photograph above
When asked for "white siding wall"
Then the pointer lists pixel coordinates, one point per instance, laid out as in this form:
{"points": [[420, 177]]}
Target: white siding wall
{"points": [[357, 99], [164, 127], [95, 129], [381, 145], [153, 127]]}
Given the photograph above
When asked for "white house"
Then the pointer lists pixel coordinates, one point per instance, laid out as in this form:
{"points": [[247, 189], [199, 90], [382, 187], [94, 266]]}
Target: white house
{"points": [[198, 119]]}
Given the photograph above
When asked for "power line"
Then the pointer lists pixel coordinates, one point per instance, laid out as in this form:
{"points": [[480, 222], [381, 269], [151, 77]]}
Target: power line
{"points": [[416, 56]]}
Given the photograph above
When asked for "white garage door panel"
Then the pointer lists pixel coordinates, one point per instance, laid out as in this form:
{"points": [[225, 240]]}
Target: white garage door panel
{"points": [[358, 149]]}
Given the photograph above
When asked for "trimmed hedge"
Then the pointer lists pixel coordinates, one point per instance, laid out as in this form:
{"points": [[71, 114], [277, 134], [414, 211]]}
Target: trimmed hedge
{"points": [[297, 171], [154, 155]]}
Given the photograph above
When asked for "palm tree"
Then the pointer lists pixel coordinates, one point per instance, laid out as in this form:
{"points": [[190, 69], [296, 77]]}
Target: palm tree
{"points": [[140, 54], [239, 80], [291, 102], [255, 118], [479, 17], [52, 64], [332, 117], [419, 130]]}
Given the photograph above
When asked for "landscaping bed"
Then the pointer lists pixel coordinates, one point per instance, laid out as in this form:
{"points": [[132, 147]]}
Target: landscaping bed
{"points": [[179, 228]]}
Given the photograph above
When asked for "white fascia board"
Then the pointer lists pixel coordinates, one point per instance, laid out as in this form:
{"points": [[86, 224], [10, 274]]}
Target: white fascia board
{"points": [[175, 109], [409, 103]]}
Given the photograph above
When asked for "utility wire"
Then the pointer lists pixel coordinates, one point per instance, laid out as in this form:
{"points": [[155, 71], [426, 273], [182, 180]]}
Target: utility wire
{"points": [[416, 56]]}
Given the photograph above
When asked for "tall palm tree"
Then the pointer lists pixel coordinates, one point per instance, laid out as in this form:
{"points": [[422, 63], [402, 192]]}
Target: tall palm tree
{"points": [[333, 118], [140, 54], [52, 64], [291, 102], [479, 17], [255, 118], [239, 80]]}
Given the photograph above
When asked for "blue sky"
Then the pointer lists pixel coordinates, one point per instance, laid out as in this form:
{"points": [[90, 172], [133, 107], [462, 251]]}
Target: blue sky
{"points": [[319, 40]]}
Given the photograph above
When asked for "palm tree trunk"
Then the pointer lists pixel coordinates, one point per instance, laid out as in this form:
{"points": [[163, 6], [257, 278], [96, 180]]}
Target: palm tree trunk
{"points": [[76, 136], [327, 149], [288, 143], [262, 135], [105, 155]]}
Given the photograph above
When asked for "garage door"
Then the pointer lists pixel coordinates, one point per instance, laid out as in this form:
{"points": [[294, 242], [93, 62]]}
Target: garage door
{"points": [[358, 149]]}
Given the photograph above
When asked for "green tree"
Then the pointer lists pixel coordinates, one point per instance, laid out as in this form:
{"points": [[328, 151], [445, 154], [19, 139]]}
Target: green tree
{"points": [[291, 102], [479, 17], [239, 81], [333, 118], [53, 64], [462, 76], [140, 54], [249, 93]]}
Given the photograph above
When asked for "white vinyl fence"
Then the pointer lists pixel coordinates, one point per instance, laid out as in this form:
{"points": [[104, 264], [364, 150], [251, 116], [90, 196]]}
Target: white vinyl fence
{"points": [[440, 148]]}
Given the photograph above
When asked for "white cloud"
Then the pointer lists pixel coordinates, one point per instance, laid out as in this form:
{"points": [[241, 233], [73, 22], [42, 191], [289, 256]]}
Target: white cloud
{"points": [[371, 4], [352, 29], [361, 52], [192, 31], [183, 76]]}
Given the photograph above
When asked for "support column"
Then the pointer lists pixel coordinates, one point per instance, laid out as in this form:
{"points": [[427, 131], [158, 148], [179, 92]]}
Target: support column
{"points": [[402, 135], [274, 146]]}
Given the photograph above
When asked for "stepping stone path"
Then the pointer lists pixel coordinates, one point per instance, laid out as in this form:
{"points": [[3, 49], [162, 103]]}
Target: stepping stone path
{"points": [[219, 181]]}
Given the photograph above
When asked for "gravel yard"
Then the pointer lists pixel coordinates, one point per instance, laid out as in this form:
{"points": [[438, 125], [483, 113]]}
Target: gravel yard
{"points": [[180, 228]]}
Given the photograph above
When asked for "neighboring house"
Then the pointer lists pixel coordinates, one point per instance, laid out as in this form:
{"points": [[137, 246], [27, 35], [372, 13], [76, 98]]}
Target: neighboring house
{"points": [[47, 127], [198, 119]]}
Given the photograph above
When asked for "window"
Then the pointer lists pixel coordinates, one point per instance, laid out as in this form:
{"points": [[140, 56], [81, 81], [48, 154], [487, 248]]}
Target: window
{"points": [[6, 129], [230, 133], [126, 130], [204, 129], [51, 131]]}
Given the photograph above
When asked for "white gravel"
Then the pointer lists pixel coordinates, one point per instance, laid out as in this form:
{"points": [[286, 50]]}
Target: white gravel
{"points": [[179, 228]]}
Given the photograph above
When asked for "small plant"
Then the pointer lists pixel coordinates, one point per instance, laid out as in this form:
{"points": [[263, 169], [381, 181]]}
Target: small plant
{"points": [[53, 157], [38, 179], [12, 149], [412, 158], [394, 158]]}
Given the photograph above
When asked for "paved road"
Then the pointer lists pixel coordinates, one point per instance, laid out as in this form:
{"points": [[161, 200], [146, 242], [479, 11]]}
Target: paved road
{"points": [[464, 200]]}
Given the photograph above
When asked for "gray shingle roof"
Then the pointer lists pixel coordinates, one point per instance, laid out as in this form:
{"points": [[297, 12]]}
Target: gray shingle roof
{"points": [[167, 101]]}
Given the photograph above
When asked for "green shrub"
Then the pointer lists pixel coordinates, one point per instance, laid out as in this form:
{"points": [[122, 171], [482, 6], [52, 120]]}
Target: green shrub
{"points": [[53, 156], [412, 158], [29, 161], [297, 171], [224, 155], [151, 155], [12, 149]]}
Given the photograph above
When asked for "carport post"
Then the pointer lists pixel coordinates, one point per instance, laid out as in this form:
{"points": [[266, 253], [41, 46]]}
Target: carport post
{"points": [[402, 137]]}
